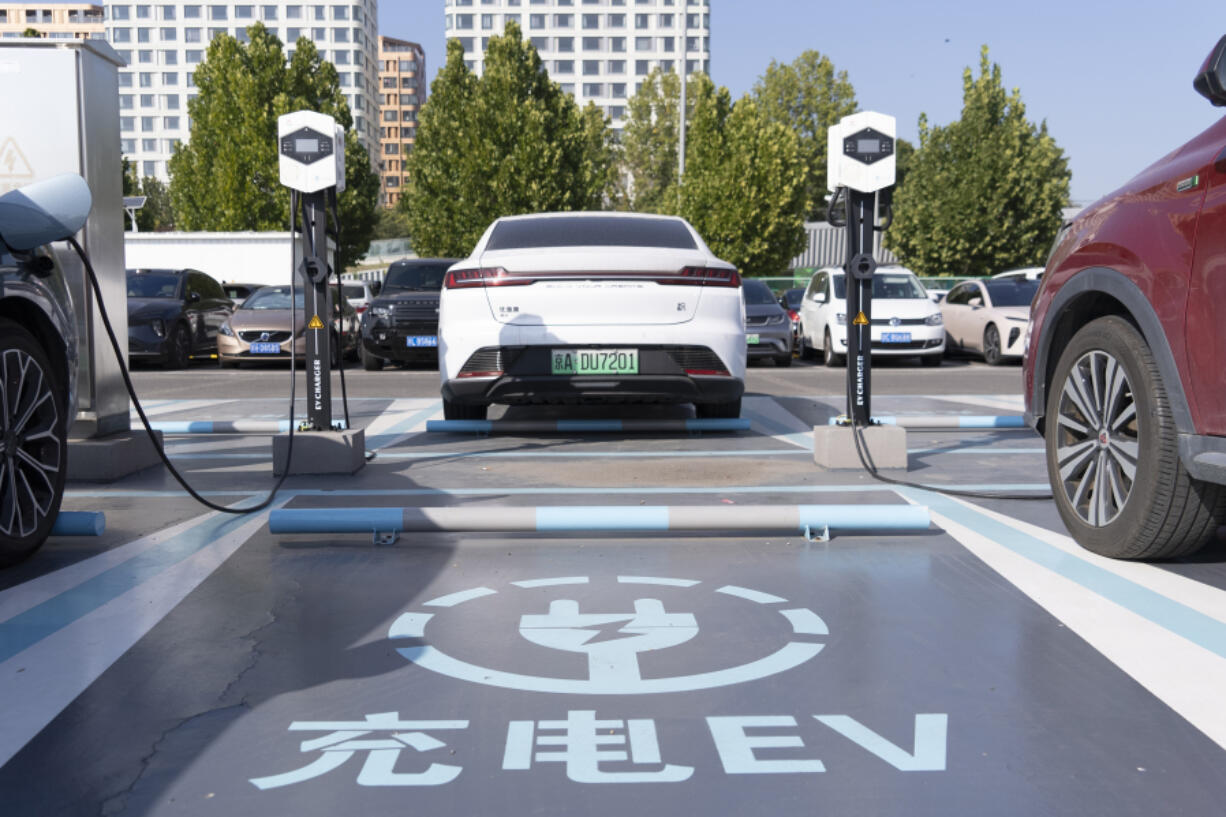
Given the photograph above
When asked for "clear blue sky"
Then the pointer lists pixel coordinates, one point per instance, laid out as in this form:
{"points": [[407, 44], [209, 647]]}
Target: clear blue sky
{"points": [[1113, 78]]}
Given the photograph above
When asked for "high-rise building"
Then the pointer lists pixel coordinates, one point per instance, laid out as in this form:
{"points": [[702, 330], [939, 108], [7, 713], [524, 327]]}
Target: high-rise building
{"points": [[164, 42], [56, 21], [402, 84], [598, 50]]}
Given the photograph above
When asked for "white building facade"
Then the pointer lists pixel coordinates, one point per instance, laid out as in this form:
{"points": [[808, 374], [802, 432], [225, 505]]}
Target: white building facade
{"points": [[164, 42], [598, 50]]}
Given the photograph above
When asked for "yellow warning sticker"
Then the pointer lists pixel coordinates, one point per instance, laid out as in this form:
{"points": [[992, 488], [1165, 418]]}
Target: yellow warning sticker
{"points": [[315, 323], [859, 321]]}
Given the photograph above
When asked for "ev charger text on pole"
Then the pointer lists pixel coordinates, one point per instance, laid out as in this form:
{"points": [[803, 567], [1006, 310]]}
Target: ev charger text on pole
{"points": [[861, 165], [311, 148]]}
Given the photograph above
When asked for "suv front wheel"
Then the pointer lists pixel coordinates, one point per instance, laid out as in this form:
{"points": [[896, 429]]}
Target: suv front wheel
{"points": [[1113, 451], [33, 449]]}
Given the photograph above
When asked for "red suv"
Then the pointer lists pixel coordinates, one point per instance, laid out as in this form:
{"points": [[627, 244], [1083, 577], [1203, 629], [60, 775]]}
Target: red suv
{"points": [[1125, 372]]}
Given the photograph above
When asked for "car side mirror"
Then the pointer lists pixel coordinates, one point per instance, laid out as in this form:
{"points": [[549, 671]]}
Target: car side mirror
{"points": [[1210, 81], [194, 297], [976, 302], [820, 297], [51, 210]]}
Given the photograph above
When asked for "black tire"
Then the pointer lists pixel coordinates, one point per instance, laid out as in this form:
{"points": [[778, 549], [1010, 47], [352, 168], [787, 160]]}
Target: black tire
{"points": [[371, 362], [718, 411], [992, 353], [829, 357], [932, 361], [807, 352], [29, 504], [463, 411], [178, 348], [784, 360], [1113, 504]]}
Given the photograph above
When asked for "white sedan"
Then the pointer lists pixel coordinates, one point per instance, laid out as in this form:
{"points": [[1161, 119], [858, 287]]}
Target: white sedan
{"points": [[591, 307], [905, 321], [989, 317]]}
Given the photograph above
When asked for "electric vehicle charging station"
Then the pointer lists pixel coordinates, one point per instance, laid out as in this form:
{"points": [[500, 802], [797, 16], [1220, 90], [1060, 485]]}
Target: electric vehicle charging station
{"points": [[73, 87], [311, 159], [861, 167]]}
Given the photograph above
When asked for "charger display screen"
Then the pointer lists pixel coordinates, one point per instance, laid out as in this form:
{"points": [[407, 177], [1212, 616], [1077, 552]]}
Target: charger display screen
{"points": [[306, 145]]}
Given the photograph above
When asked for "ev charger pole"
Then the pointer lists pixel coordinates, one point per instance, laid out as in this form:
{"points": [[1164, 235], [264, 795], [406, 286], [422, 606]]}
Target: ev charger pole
{"points": [[311, 150], [860, 160]]}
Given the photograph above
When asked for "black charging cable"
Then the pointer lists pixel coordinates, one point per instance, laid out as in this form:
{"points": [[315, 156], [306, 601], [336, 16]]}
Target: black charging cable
{"points": [[157, 444]]}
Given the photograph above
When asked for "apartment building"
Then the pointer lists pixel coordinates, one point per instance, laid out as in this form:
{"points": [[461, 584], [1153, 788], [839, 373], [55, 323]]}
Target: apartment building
{"points": [[598, 50], [57, 21], [164, 42], [402, 85]]}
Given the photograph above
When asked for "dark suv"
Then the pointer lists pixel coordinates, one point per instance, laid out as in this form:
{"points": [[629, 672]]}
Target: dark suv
{"points": [[1125, 371], [401, 324], [38, 362]]}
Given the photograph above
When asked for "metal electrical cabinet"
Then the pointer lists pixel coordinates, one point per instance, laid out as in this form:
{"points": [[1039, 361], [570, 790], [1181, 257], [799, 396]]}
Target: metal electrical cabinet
{"points": [[62, 116]]}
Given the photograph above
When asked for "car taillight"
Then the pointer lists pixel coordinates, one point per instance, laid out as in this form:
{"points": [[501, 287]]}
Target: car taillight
{"points": [[704, 276], [793, 314], [482, 277]]}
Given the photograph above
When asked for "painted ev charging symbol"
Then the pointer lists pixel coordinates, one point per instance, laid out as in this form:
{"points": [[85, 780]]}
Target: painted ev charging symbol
{"points": [[612, 650], [613, 642]]}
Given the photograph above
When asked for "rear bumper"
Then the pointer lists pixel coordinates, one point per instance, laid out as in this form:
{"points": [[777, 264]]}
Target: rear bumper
{"points": [[548, 389]]}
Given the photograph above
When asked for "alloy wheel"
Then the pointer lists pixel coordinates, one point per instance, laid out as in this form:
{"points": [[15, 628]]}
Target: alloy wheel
{"points": [[1097, 443], [29, 422]]}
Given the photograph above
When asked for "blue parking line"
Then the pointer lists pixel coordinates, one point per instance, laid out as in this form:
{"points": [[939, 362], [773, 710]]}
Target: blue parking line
{"points": [[439, 455], [28, 628], [1177, 618], [801, 439], [398, 430]]}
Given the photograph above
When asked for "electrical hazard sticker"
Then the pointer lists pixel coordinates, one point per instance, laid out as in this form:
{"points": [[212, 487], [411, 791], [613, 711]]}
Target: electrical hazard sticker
{"points": [[860, 320], [315, 323], [15, 170]]}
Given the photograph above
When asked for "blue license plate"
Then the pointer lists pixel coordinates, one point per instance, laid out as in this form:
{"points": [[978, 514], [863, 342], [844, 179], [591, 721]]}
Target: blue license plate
{"points": [[895, 337], [422, 340], [265, 348]]}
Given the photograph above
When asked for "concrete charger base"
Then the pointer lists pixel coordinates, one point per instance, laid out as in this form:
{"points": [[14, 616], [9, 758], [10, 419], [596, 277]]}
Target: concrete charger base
{"points": [[113, 457], [834, 448], [320, 452]]}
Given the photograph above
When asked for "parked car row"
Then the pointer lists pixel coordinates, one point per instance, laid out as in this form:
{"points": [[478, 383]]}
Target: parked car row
{"points": [[177, 314]]}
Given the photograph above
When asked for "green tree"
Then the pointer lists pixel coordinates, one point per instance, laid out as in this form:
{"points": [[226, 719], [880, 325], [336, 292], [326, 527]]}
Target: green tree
{"points": [[807, 96], [157, 213], [391, 223], [649, 144], [983, 193], [31, 32], [744, 184], [508, 142], [226, 176]]}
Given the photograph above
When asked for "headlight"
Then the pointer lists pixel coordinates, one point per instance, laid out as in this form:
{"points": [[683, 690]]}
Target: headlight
{"points": [[159, 327], [226, 330], [934, 319], [776, 320], [381, 311], [841, 317]]}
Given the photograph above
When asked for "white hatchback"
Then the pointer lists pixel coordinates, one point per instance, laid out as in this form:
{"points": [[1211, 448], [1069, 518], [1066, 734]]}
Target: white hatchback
{"points": [[905, 321], [591, 308]]}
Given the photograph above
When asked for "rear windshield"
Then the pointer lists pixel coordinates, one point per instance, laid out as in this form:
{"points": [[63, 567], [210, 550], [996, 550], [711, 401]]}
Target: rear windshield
{"points": [[577, 231], [415, 277], [794, 297], [354, 291], [1011, 292], [887, 285], [152, 284], [757, 292]]}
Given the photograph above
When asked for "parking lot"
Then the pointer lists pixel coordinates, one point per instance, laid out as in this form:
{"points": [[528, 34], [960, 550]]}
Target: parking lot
{"points": [[189, 663]]}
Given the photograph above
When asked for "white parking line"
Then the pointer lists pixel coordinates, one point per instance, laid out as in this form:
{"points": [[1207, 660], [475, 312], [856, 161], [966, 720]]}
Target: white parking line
{"points": [[69, 653]]}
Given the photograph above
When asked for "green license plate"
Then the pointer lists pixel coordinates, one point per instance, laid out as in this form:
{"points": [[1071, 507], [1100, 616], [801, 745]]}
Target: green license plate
{"points": [[753, 340], [594, 361]]}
